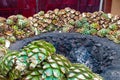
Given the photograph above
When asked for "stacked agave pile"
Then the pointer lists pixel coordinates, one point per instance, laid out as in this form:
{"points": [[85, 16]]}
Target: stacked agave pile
{"points": [[38, 61], [70, 20], [56, 20], [14, 28], [99, 23], [103, 25], [18, 27], [3, 27]]}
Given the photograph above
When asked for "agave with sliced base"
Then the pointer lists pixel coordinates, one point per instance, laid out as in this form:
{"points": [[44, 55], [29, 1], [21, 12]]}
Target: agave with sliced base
{"points": [[93, 31], [115, 36], [14, 64], [95, 26], [7, 63], [103, 32], [53, 68], [81, 72], [113, 27], [2, 40]]}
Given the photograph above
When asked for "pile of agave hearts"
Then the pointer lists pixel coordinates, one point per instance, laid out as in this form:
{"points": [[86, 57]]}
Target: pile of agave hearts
{"points": [[17, 27]]}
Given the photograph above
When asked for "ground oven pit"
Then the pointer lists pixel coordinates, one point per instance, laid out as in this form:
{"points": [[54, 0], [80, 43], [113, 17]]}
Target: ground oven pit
{"points": [[99, 54]]}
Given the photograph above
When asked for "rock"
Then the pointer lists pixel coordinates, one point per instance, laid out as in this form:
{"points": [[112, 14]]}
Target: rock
{"points": [[81, 55], [112, 73]]}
